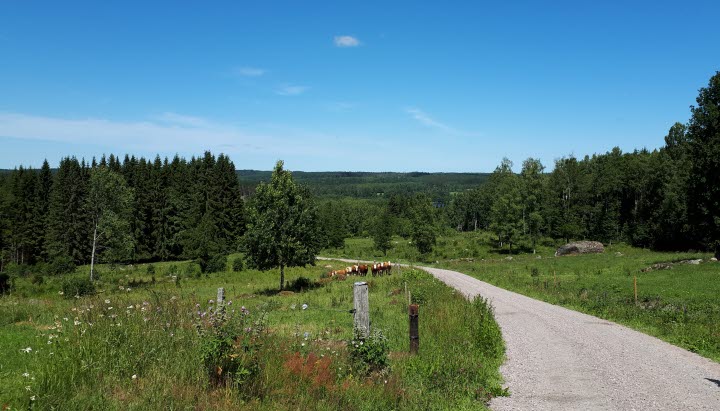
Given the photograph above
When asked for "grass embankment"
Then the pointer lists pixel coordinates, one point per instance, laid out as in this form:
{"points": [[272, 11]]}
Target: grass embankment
{"points": [[679, 305], [139, 344]]}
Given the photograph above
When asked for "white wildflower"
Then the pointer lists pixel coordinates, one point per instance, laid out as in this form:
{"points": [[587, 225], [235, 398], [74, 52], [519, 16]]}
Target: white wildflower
{"points": [[304, 306], [26, 375], [27, 350]]}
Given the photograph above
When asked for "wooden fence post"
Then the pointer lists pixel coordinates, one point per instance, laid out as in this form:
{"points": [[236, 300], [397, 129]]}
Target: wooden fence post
{"points": [[414, 334], [635, 287], [220, 301], [361, 317]]}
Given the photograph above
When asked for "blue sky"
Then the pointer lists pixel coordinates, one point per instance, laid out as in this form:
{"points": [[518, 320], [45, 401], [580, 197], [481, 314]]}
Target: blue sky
{"points": [[372, 86]]}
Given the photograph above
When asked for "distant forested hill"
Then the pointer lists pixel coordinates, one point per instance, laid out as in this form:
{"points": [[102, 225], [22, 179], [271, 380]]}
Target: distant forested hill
{"points": [[371, 185]]}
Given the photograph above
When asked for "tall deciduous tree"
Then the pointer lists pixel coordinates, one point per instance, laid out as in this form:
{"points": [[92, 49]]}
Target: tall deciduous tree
{"points": [[704, 143], [283, 228], [532, 198], [109, 204]]}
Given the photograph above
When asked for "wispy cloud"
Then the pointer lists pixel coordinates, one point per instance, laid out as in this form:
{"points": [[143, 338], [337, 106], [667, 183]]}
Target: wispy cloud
{"points": [[182, 120], [249, 71], [291, 90], [424, 119], [346, 41], [168, 132], [428, 121]]}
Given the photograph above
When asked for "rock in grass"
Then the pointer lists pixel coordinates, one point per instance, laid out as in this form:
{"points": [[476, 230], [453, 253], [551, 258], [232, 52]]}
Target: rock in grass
{"points": [[580, 247], [713, 259], [658, 266]]}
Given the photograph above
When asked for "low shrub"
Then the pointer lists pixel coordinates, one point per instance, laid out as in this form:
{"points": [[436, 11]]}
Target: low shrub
{"points": [[369, 354], [212, 263], [77, 286], [151, 269], [5, 283], [60, 265], [238, 264]]}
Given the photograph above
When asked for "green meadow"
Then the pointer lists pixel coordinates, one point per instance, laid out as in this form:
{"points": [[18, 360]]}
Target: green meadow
{"points": [[679, 305], [151, 337]]}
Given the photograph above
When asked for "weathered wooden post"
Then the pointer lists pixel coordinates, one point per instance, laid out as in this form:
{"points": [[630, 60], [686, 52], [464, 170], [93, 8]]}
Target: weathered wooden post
{"points": [[414, 334], [220, 301], [361, 317], [635, 287]]}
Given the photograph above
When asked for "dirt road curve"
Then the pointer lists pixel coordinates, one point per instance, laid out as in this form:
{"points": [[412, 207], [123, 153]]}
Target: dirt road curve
{"points": [[559, 359]]}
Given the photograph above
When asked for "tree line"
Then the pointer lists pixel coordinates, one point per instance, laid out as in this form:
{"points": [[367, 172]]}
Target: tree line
{"points": [[120, 210], [667, 198]]}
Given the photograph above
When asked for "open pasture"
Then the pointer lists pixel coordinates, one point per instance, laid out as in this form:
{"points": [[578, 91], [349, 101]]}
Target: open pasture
{"points": [[142, 342]]}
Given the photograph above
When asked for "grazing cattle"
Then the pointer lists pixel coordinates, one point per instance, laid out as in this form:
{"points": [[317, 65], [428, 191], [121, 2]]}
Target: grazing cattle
{"points": [[388, 267], [375, 269], [362, 270]]}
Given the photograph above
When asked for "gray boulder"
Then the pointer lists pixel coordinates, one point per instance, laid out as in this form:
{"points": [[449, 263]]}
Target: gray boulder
{"points": [[580, 247]]}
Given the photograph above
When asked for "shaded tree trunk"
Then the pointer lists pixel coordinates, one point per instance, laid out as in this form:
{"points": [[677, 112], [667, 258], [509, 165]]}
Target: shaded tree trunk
{"points": [[282, 277]]}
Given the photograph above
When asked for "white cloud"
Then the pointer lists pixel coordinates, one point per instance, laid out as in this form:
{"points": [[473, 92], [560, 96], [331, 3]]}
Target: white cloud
{"points": [[249, 71], [169, 132], [290, 90], [424, 119], [428, 121], [182, 120], [346, 41]]}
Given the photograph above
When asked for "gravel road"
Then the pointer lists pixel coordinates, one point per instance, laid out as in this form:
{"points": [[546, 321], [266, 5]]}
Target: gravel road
{"points": [[559, 359]]}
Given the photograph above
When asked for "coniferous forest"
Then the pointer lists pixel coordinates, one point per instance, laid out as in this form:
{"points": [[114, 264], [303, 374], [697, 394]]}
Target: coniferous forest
{"points": [[136, 209]]}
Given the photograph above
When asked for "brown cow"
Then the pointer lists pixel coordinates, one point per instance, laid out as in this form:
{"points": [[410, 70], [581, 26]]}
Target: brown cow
{"points": [[362, 270], [388, 267]]}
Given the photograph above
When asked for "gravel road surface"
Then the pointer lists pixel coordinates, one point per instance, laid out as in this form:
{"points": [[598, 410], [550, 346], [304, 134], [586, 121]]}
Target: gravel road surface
{"points": [[559, 359]]}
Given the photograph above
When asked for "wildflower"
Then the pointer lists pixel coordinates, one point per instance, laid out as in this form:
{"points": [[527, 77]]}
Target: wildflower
{"points": [[307, 334], [211, 302], [27, 350], [304, 306], [107, 301], [302, 345], [26, 375], [229, 302], [130, 307], [66, 319], [292, 307], [121, 287], [134, 376], [109, 308], [27, 388], [76, 322], [61, 293], [127, 289], [32, 398]]}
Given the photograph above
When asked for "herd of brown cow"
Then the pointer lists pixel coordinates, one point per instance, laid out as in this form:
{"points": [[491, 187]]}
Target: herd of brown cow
{"points": [[375, 268]]}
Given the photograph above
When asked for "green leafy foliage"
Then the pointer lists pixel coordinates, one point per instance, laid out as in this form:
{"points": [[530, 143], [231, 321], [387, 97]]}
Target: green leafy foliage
{"points": [[369, 354], [77, 286], [283, 229]]}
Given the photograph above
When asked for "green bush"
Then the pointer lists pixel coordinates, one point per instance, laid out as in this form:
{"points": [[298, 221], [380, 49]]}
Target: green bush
{"points": [[151, 269], [77, 286], [238, 264], [213, 264], [5, 283], [370, 354], [61, 265], [37, 279]]}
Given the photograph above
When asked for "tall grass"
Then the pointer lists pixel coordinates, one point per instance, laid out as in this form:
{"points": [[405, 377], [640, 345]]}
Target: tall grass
{"points": [[156, 345]]}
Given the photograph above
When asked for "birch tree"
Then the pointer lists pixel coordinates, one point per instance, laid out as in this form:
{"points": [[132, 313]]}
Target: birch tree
{"points": [[109, 206]]}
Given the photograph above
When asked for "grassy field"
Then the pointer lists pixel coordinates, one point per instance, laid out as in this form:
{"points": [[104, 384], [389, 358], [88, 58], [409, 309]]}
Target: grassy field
{"points": [[679, 305], [150, 338]]}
